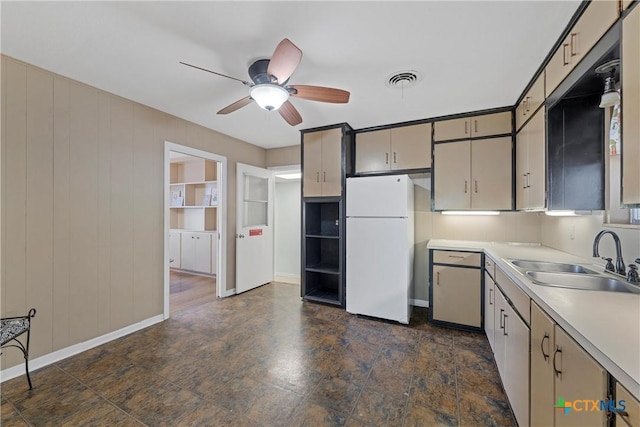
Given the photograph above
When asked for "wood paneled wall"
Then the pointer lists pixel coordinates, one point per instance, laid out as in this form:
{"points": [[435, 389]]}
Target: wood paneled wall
{"points": [[82, 205]]}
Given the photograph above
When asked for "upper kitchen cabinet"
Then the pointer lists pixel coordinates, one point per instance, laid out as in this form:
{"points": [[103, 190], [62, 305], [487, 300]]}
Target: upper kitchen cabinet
{"points": [[530, 164], [530, 103], [630, 45], [473, 174], [323, 162], [400, 148], [594, 22], [626, 4], [473, 127]]}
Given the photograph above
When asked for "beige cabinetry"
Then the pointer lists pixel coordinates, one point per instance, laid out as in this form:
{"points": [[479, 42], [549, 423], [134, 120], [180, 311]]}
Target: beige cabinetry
{"points": [[322, 172], [196, 251], [193, 193], [561, 369], [590, 27], [630, 45], [630, 416], [456, 288], [472, 127], [174, 249], [489, 308], [473, 174], [401, 148], [532, 100], [626, 4], [530, 164]]}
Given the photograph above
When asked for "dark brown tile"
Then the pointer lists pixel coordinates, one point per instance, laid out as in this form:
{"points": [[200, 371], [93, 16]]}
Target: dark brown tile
{"points": [[377, 408], [209, 414], [274, 407], [310, 414], [421, 416], [102, 413], [386, 379], [476, 409], [238, 394], [336, 393], [433, 394], [61, 406], [167, 408]]}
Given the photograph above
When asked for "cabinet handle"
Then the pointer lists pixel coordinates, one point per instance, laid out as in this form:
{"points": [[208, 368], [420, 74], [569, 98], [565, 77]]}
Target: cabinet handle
{"points": [[317, 176], [386, 158], [504, 332], [524, 181], [524, 107], [545, 355], [564, 54], [490, 294], [476, 185], [572, 44], [324, 176], [475, 125], [555, 369], [198, 237], [438, 278], [526, 100], [466, 127], [465, 186], [457, 256], [528, 179], [501, 318], [394, 157]]}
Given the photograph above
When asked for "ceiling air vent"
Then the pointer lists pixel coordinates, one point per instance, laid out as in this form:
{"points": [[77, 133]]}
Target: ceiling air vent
{"points": [[403, 79]]}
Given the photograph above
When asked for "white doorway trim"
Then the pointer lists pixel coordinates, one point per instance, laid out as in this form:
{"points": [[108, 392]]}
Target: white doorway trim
{"points": [[221, 275]]}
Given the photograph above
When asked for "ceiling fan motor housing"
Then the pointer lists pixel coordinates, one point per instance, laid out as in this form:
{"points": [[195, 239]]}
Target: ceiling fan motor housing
{"points": [[258, 72]]}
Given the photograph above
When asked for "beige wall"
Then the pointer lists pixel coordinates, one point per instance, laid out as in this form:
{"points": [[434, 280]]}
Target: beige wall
{"points": [[82, 205], [284, 156]]}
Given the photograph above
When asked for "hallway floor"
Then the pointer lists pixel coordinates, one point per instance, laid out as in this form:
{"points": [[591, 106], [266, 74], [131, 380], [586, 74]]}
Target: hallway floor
{"points": [[264, 358]]}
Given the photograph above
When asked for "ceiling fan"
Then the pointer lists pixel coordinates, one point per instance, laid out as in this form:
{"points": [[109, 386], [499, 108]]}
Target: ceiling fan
{"points": [[269, 89]]}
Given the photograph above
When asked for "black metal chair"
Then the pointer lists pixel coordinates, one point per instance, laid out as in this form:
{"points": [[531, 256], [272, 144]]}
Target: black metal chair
{"points": [[13, 327]]}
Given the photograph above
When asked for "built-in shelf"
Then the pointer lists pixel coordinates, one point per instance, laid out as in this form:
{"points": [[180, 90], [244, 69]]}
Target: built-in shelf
{"points": [[319, 236], [324, 268]]}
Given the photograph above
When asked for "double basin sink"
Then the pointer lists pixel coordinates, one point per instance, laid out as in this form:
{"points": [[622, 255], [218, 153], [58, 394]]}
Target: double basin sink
{"points": [[573, 276]]}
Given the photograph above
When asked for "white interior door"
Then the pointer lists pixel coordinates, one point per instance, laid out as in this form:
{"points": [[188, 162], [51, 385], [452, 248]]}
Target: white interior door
{"points": [[254, 227]]}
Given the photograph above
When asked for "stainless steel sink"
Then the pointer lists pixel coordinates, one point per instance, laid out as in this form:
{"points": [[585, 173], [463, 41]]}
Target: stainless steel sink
{"points": [[556, 267], [582, 281]]}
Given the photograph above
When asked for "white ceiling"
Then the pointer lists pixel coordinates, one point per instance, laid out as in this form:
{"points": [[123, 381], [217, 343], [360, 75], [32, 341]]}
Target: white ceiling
{"points": [[472, 55]]}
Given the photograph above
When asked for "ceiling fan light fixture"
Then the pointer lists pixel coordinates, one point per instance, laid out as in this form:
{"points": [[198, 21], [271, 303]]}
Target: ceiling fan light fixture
{"points": [[269, 96]]}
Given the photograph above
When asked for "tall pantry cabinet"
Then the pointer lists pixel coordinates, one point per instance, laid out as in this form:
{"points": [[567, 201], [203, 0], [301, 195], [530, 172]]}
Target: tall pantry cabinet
{"points": [[326, 156]]}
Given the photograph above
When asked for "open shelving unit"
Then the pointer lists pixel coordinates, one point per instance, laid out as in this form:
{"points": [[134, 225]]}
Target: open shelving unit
{"points": [[194, 195]]}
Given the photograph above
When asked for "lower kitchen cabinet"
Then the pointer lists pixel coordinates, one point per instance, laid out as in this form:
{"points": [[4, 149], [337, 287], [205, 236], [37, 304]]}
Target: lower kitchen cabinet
{"points": [[196, 251], [174, 249], [561, 373], [456, 289], [489, 304], [631, 415]]}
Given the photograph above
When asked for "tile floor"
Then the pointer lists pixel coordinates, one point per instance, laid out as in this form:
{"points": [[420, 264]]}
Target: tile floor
{"points": [[264, 358]]}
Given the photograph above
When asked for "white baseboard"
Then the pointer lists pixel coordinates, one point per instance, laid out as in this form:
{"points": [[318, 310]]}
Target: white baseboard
{"points": [[228, 292], [293, 279], [48, 359], [419, 303]]}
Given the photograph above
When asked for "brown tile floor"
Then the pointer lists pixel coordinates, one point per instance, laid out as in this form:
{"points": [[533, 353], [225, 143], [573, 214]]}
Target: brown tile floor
{"points": [[264, 358]]}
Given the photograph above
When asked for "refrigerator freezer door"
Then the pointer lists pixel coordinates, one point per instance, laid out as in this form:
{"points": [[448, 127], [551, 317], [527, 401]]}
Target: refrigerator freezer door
{"points": [[379, 267], [379, 196]]}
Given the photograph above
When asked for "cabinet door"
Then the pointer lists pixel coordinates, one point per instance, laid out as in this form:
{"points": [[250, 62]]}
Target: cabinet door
{"points": [[542, 345], [631, 107], [456, 295], [489, 305], [491, 124], [631, 415], [451, 129], [411, 147], [594, 22], [578, 377], [522, 167], [536, 180], [214, 253], [532, 100], [188, 250], [372, 151], [312, 165], [202, 259], [174, 249], [516, 379], [626, 4], [332, 162], [452, 164], [491, 174], [500, 339]]}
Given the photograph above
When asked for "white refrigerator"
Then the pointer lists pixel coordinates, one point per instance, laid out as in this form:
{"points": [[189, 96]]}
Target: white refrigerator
{"points": [[379, 270]]}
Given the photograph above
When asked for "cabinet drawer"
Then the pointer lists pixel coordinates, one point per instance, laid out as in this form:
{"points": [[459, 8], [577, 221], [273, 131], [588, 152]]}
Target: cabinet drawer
{"points": [[490, 266], [632, 416], [519, 299], [457, 258], [532, 100]]}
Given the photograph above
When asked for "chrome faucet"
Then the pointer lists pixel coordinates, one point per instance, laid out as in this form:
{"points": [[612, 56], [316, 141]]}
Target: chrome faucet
{"points": [[620, 268]]}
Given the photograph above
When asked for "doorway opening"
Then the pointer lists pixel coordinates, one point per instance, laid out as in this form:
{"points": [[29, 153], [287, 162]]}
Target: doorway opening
{"points": [[195, 227], [287, 223]]}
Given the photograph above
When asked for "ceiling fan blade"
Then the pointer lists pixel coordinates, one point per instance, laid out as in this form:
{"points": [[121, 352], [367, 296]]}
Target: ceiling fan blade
{"points": [[290, 114], [244, 82], [284, 61], [236, 105], [322, 94]]}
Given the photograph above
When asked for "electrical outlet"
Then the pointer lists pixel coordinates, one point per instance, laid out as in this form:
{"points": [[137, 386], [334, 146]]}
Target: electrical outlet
{"points": [[572, 232]]}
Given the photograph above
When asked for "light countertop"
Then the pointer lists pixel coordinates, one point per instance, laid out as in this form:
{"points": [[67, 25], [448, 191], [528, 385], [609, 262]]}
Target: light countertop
{"points": [[605, 324]]}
